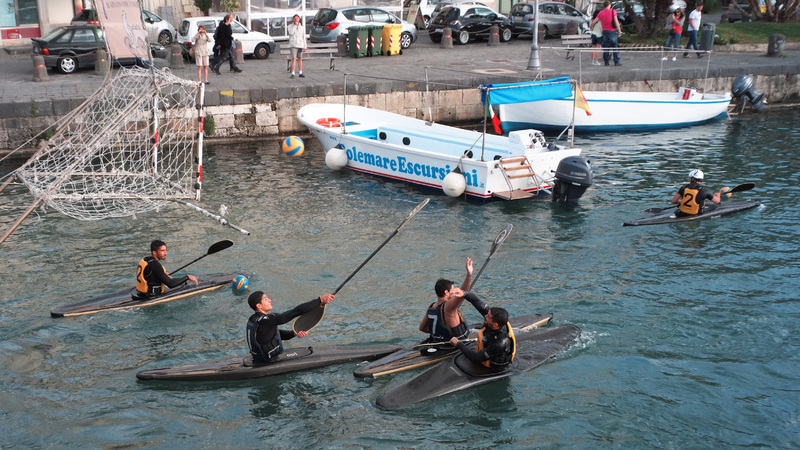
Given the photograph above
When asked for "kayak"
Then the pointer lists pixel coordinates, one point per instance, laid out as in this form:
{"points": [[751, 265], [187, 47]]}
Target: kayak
{"points": [[723, 209], [125, 298], [459, 373], [422, 355], [292, 360]]}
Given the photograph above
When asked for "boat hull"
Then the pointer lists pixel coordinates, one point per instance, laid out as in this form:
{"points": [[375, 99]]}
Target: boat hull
{"points": [[413, 358], [458, 373], [292, 360], [723, 209], [414, 151], [617, 111], [124, 299]]}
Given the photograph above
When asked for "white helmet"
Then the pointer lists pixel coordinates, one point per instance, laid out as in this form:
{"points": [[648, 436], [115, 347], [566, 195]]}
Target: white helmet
{"points": [[697, 174]]}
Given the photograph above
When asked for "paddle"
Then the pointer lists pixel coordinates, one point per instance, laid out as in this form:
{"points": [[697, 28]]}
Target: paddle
{"points": [[740, 188], [495, 245], [310, 319], [446, 345], [216, 247]]}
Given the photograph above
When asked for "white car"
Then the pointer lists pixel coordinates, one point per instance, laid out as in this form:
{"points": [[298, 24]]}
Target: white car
{"points": [[254, 43]]}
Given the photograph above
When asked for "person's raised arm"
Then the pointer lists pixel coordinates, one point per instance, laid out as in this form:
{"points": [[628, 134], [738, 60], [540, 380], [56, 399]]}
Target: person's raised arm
{"points": [[468, 279]]}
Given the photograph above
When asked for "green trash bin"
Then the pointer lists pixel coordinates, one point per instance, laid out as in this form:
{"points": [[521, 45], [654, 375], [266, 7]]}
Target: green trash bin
{"points": [[357, 37], [375, 35]]}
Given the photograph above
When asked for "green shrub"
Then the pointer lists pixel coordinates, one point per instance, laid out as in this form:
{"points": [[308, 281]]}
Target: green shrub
{"points": [[208, 125]]}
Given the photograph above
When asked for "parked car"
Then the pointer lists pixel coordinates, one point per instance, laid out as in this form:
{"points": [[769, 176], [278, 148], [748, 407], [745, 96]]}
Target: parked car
{"points": [[444, 3], [330, 23], [74, 47], [625, 19], [555, 18], [468, 22], [158, 29], [254, 43]]}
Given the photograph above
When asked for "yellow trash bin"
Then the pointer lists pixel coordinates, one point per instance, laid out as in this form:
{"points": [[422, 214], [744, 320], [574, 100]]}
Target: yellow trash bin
{"points": [[390, 44]]}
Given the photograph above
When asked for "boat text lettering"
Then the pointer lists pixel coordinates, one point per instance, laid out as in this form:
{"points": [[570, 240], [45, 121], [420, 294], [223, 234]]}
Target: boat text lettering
{"points": [[401, 164]]}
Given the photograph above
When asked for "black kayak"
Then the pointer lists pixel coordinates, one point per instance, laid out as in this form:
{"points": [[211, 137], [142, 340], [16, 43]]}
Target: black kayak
{"points": [[292, 360], [125, 298], [723, 209], [422, 355], [459, 373]]}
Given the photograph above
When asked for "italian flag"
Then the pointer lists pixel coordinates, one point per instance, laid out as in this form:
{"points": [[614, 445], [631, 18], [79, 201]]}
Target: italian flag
{"points": [[490, 114]]}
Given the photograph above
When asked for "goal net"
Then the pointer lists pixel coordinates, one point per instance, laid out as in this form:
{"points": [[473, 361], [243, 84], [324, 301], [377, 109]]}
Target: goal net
{"points": [[129, 149]]}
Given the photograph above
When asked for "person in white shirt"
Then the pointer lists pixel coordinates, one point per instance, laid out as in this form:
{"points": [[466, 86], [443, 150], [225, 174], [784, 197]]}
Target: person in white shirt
{"points": [[297, 43], [693, 28]]}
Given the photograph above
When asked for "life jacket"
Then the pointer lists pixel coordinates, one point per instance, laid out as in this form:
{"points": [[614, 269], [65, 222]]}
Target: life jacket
{"points": [[260, 353], [689, 203], [487, 339], [143, 272], [440, 332]]}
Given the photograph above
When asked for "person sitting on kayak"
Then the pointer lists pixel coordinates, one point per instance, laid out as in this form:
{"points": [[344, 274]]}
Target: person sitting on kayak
{"points": [[442, 319], [263, 336], [151, 276], [692, 197], [496, 345]]}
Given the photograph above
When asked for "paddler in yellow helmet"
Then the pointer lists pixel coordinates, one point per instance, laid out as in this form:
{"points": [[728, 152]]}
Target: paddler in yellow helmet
{"points": [[496, 346]]}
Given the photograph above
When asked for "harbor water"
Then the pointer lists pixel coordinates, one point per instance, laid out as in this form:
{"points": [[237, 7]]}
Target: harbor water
{"points": [[688, 329]]}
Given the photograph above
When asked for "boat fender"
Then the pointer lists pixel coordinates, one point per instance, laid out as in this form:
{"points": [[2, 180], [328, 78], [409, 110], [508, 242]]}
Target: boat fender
{"points": [[336, 158], [329, 122], [454, 183]]}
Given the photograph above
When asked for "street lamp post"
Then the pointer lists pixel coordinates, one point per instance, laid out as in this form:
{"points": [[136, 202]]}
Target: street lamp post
{"points": [[533, 62]]}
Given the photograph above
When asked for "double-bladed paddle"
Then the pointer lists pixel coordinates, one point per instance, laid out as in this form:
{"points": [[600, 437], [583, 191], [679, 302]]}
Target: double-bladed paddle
{"points": [[310, 319], [216, 247], [739, 188], [495, 245]]}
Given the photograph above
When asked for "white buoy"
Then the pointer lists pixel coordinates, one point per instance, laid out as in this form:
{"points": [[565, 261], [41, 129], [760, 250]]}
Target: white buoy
{"points": [[454, 184], [336, 158]]}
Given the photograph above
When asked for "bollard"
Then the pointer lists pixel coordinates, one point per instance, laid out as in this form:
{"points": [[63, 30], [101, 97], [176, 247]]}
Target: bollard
{"points": [[176, 56], [39, 70], [238, 55], [494, 35], [447, 37], [341, 45], [775, 47], [101, 63]]}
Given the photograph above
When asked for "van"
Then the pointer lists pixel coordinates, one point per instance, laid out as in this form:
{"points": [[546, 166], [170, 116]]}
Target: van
{"points": [[423, 7], [254, 43]]}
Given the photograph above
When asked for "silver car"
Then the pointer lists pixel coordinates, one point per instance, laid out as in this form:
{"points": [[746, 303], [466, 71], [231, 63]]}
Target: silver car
{"points": [[330, 23], [158, 29], [555, 18]]}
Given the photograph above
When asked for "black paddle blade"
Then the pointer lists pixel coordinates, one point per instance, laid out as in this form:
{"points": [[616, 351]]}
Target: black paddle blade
{"points": [[659, 210], [495, 245], [309, 320], [219, 246], [414, 212], [742, 187]]}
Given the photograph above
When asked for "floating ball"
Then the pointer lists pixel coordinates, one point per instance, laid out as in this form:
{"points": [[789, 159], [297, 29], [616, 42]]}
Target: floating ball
{"points": [[293, 146], [725, 193], [240, 284]]}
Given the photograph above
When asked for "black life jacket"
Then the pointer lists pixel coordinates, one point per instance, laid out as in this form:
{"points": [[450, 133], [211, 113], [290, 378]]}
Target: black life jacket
{"points": [[145, 284], [260, 353], [440, 332], [502, 338]]}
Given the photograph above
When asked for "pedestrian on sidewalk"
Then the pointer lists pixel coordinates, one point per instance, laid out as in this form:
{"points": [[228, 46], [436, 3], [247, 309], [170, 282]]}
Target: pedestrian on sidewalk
{"points": [[675, 24], [693, 27], [611, 29], [597, 39], [297, 43], [200, 43], [223, 41]]}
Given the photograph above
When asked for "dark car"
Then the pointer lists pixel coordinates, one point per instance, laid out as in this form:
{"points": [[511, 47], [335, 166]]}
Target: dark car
{"points": [[555, 19], [626, 19], [72, 47], [469, 22]]}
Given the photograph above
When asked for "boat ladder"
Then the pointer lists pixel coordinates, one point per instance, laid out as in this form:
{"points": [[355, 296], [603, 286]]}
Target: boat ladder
{"points": [[513, 168]]}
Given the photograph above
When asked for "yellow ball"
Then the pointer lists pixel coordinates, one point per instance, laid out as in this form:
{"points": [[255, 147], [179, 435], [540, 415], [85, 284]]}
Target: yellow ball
{"points": [[724, 191], [293, 146]]}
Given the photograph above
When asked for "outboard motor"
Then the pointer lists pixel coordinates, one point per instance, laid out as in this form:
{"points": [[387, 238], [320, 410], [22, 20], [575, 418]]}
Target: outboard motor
{"points": [[743, 86], [573, 177]]}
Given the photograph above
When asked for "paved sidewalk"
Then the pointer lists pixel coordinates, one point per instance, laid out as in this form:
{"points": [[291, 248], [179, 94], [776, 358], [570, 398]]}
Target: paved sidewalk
{"points": [[467, 65]]}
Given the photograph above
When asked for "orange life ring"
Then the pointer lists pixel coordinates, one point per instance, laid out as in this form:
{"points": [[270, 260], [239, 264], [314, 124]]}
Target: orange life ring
{"points": [[330, 122]]}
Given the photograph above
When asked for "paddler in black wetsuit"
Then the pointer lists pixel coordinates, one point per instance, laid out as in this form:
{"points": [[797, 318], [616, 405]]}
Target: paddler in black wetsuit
{"points": [[263, 336], [442, 319], [692, 197], [496, 344], [151, 276]]}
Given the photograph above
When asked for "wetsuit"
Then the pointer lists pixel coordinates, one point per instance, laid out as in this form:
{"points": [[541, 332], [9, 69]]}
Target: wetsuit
{"points": [[693, 197], [151, 278], [263, 336], [495, 348], [436, 324]]}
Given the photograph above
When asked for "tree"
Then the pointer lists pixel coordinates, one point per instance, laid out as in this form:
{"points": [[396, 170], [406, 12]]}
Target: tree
{"points": [[204, 5], [229, 6]]}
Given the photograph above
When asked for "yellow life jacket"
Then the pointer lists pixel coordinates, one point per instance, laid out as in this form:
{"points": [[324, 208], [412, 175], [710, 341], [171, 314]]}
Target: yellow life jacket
{"points": [[480, 346], [689, 204], [141, 283]]}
